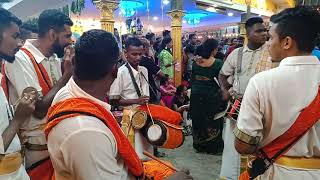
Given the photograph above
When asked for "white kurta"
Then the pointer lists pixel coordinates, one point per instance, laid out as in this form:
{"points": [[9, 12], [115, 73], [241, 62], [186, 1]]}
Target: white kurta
{"points": [[253, 61], [84, 147], [21, 75], [5, 115], [271, 104], [123, 87]]}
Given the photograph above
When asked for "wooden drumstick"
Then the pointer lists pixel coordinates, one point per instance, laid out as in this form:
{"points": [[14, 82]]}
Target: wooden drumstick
{"points": [[160, 161]]}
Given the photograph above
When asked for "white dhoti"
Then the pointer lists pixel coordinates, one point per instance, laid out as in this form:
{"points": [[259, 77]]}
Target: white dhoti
{"points": [[282, 172], [230, 167]]}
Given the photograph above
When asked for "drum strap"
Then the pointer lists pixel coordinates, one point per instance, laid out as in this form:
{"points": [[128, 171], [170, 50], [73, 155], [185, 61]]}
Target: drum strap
{"points": [[239, 60], [136, 87]]}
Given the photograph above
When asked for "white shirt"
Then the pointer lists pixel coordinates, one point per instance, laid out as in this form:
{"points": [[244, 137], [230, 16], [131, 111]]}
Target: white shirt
{"points": [[124, 88], [272, 102], [253, 61], [84, 147], [21, 74], [5, 115]]}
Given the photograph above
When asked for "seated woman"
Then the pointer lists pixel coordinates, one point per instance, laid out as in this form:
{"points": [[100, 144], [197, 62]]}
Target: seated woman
{"points": [[181, 101], [181, 104], [167, 91]]}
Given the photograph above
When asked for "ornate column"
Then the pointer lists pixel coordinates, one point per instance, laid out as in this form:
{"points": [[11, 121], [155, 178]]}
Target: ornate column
{"points": [[176, 15], [244, 18], [107, 8]]}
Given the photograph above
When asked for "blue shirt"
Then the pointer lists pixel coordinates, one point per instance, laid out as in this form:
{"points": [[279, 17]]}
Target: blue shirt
{"points": [[316, 52]]}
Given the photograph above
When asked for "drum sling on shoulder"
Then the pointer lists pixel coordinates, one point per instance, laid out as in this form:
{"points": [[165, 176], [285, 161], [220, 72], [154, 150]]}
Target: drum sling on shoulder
{"points": [[136, 87]]}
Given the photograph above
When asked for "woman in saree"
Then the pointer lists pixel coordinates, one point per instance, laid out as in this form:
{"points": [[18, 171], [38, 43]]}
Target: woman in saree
{"points": [[206, 100]]}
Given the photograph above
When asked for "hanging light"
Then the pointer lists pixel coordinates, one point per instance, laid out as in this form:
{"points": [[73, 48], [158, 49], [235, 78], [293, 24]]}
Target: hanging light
{"points": [[194, 18], [165, 2], [128, 7], [230, 14]]}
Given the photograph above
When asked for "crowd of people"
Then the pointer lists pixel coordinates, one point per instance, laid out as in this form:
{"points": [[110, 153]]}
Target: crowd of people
{"points": [[59, 97]]}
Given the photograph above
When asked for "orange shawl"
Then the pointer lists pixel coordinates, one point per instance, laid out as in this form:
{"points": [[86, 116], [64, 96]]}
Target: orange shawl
{"points": [[81, 106]]}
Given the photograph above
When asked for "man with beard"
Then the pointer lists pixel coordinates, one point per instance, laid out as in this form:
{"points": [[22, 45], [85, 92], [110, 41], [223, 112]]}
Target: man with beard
{"points": [[11, 166], [239, 67], [38, 65]]}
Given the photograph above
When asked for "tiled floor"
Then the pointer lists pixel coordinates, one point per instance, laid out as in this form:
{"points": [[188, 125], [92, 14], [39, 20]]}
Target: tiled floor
{"points": [[202, 166]]}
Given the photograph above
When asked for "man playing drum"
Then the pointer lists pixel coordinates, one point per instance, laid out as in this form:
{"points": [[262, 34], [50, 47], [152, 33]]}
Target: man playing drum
{"points": [[276, 100], [239, 67], [84, 139], [131, 89]]}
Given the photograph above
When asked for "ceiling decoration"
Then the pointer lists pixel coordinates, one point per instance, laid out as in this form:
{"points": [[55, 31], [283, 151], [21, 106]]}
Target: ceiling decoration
{"points": [[128, 8], [194, 18]]}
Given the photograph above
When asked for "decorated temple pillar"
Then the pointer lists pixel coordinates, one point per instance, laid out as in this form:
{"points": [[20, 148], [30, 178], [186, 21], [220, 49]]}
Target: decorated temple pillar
{"points": [[176, 15], [107, 9], [244, 18]]}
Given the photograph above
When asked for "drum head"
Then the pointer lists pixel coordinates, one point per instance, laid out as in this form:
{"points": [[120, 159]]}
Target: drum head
{"points": [[154, 132], [139, 120]]}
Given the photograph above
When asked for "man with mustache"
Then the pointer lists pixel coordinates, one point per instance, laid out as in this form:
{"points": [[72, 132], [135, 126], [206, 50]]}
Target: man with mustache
{"points": [[11, 166], [38, 65], [239, 67]]}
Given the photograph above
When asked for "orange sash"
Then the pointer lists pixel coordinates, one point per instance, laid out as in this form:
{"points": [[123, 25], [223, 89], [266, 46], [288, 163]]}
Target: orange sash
{"points": [[4, 81], [42, 75], [42, 171], [81, 106], [306, 119]]}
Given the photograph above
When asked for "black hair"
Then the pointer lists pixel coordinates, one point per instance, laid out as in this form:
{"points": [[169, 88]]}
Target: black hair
{"points": [[240, 38], [30, 27], [191, 36], [206, 48], [6, 18], [190, 49], [164, 79], [26, 29], [96, 53], [149, 36], [52, 19], [301, 24], [318, 41], [252, 21], [165, 33], [165, 41], [180, 90], [133, 41]]}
